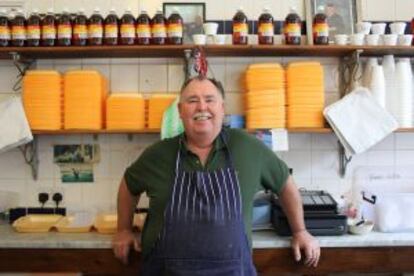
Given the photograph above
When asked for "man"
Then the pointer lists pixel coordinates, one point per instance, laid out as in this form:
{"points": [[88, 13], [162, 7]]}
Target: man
{"points": [[201, 186], [335, 21]]}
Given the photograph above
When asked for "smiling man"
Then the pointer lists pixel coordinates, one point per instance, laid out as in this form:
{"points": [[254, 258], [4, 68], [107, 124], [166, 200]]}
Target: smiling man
{"points": [[201, 186]]}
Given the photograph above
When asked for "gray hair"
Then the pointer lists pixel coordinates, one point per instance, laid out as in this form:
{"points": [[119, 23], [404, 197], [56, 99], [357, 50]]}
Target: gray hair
{"points": [[217, 84]]}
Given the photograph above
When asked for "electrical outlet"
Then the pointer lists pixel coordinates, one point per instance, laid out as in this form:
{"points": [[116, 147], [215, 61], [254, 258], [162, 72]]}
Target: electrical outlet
{"points": [[46, 191], [54, 192]]}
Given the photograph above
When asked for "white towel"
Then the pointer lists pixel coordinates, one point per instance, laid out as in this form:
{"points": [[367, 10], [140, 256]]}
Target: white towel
{"points": [[359, 121], [14, 128]]}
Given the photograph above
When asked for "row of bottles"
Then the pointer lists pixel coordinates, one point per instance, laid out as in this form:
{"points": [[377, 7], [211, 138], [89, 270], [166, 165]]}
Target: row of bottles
{"points": [[292, 28], [96, 30]]}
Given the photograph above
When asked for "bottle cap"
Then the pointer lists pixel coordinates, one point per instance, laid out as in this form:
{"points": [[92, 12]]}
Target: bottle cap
{"points": [[321, 8], [50, 10], [293, 9]]}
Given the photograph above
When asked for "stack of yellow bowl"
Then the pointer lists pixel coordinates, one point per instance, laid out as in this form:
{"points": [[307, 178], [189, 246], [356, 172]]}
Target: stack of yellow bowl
{"points": [[265, 97], [42, 99], [157, 104], [305, 95], [84, 100], [125, 111]]}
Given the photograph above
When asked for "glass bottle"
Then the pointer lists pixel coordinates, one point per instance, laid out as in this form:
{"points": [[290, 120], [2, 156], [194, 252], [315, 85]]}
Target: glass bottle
{"points": [[320, 28], [111, 28], [80, 29], [412, 29], [293, 28], [143, 28], [95, 28], [240, 28], [33, 29], [158, 28], [18, 29], [49, 29], [64, 29], [4, 29], [265, 27], [127, 28], [175, 28]]}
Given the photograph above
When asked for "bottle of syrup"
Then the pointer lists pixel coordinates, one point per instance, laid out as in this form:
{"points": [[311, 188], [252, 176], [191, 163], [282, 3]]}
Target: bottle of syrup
{"points": [[320, 28], [158, 29], [33, 29], [292, 28], [80, 29], [49, 29], [64, 28], [265, 27], [4, 29], [240, 28], [412, 28], [18, 29], [111, 28], [143, 28], [127, 28], [95, 28], [175, 28]]}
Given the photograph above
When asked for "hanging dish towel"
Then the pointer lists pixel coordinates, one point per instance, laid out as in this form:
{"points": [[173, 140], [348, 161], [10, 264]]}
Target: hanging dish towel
{"points": [[359, 121], [14, 128], [171, 122]]}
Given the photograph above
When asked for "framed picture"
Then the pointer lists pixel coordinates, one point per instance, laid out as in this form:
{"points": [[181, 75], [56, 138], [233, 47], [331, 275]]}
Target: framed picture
{"points": [[342, 16], [193, 15]]}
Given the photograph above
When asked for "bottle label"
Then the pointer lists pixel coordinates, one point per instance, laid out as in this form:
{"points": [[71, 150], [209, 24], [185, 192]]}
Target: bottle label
{"points": [[241, 29], [321, 29], [111, 31], [159, 30], [4, 33], [18, 32], [143, 31], [128, 31], [33, 32], [80, 31], [64, 31], [266, 29], [49, 32], [95, 31], [175, 30], [292, 29]]}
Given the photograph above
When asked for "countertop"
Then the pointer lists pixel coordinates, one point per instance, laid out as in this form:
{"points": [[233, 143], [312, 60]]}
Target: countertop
{"points": [[261, 239]]}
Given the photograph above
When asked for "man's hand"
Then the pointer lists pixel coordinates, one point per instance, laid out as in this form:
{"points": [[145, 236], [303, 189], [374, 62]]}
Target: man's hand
{"points": [[303, 241], [121, 243]]}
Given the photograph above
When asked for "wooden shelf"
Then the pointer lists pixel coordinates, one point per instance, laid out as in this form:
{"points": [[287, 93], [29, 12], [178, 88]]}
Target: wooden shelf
{"points": [[211, 50]]}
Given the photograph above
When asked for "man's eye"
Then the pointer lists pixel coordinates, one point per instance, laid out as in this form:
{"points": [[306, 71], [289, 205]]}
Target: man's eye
{"points": [[192, 101]]}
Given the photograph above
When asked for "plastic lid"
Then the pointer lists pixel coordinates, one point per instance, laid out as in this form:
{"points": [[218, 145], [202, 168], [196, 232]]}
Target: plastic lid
{"points": [[35, 11], [240, 8], [96, 10], [112, 11], [266, 10], [50, 10], [65, 10], [321, 8], [128, 10], [81, 11], [175, 10], [293, 9]]}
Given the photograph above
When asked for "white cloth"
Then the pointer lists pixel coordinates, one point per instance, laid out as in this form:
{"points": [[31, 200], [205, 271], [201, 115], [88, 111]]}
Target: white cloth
{"points": [[359, 121], [14, 128]]}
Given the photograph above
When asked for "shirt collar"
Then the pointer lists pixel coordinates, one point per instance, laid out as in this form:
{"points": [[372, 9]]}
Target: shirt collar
{"points": [[218, 143]]}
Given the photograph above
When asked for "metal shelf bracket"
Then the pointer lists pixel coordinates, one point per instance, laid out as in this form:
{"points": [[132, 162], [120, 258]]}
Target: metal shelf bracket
{"points": [[343, 160], [30, 153], [22, 66]]}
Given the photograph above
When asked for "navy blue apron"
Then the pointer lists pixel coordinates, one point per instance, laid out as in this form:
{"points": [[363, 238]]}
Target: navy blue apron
{"points": [[203, 232]]}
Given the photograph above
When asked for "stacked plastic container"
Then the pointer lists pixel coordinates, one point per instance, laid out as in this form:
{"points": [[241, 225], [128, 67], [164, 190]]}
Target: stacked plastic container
{"points": [[125, 111], [84, 100], [305, 95], [42, 99], [157, 104], [265, 96]]}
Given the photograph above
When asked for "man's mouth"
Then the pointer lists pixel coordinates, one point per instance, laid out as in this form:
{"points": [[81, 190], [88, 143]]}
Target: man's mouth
{"points": [[202, 116]]}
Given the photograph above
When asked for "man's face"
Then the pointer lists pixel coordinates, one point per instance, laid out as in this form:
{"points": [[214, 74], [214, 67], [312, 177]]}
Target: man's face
{"points": [[201, 109]]}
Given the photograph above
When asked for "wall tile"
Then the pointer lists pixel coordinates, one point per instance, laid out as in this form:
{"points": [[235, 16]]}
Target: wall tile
{"points": [[33, 188], [331, 77], [404, 10], [218, 71], [153, 78], [231, 6], [324, 141], [104, 69], [8, 77], [124, 78], [132, 61], [380, 158], [118, 164], [12, 165], [234, 76], [16, 186], [404, 141], [41, 5], [387, 143], [234, 103], [299, 161], [103, 5], [175, 77], [274, 6], [73, 196], [72, 5], [325, 164], [299, 141], [379, 10], [404, 158], [331, 97], [64, 68]]}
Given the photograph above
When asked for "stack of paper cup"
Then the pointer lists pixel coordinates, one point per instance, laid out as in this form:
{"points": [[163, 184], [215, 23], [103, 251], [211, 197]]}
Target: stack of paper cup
{"points": [[388, 64], [402, 106], [377, 84], [364, 27], [366, 76]]}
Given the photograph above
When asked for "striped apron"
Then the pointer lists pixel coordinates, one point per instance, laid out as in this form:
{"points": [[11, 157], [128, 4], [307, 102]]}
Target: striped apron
{"points": [[203, 232]]}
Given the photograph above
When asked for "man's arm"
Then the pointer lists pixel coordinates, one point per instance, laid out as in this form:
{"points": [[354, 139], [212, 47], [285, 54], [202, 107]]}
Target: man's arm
{"points": [[291, 202], [125, 238]]}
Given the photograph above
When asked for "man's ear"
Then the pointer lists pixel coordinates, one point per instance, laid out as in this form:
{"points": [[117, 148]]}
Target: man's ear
{"points": [[179, 106]]}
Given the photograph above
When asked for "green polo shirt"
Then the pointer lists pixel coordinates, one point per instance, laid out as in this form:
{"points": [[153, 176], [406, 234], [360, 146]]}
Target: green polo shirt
{"points": [[153, 172]]}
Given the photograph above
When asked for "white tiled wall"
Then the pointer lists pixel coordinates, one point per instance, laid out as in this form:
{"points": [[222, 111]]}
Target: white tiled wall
{"points": [[313, 157]]}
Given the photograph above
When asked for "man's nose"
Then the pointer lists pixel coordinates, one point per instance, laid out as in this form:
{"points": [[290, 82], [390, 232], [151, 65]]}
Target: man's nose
{"points": [[202, 105]]}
